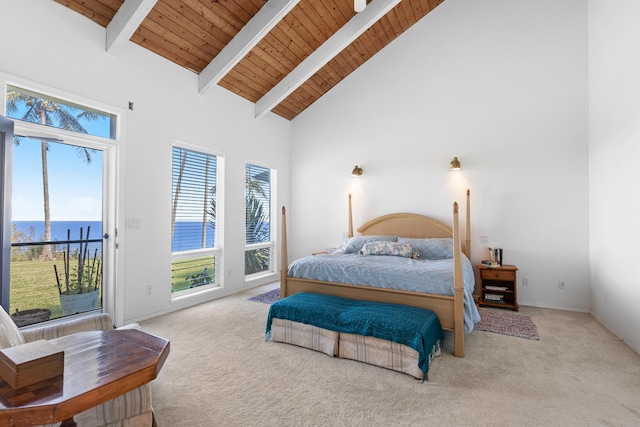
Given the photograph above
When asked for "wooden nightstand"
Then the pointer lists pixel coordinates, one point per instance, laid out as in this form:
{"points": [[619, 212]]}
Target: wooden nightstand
{"points": [[498, 286]]}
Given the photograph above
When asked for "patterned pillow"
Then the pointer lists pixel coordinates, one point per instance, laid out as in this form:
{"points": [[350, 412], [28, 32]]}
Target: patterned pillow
{"points": [[9, 333], [354, 244], [431, 248], [388, 248]]}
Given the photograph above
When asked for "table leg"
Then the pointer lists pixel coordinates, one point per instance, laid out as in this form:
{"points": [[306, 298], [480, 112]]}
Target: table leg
{"points": [[69, 423]]}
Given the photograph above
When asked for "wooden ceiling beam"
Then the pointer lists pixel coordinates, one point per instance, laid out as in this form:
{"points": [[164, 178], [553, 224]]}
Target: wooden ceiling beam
{"points": [[327, 51], [246, 39], [125, 22]]}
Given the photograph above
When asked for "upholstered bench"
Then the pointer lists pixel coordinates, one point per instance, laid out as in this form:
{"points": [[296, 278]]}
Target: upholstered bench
{"points": [[392, 336]]}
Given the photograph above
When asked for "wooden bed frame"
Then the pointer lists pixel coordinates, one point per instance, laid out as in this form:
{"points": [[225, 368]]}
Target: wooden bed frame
{"points": [[449, 309]]}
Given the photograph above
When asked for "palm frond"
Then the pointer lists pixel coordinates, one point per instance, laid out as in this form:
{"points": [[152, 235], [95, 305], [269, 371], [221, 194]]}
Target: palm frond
{"points": [[66, 119], [91, 116]]}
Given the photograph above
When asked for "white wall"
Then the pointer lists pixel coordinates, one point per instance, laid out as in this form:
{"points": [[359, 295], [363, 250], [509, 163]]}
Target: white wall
{"points": [[614, 150], [50, 45], [500, 84]]}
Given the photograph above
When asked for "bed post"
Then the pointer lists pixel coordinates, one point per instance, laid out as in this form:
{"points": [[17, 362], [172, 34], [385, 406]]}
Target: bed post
{"points": [[284, 266], [458, 289], [467, 242], [350, 218]]}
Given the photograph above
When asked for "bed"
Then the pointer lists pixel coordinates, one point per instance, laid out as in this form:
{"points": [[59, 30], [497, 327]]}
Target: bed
{"points": [[452, 302]]}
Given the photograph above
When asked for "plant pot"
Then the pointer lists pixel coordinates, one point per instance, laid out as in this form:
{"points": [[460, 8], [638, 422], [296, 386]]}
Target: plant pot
{"points": [[29, 317], [79, 303]]}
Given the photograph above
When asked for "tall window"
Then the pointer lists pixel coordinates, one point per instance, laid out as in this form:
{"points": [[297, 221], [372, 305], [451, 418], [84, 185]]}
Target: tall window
{"points": [[193, 219], [258, 241]]}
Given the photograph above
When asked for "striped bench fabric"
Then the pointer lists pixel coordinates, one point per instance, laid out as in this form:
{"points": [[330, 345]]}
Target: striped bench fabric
{"points": [[391, 336]]}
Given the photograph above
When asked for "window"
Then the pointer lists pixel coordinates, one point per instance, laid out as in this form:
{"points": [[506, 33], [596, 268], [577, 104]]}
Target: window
{"points": [[193, 219], [258, 258], [34, 107]]}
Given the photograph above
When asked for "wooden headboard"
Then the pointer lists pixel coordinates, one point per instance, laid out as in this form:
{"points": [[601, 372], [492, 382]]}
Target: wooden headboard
{"points": [[406, 225], [413, 225]]}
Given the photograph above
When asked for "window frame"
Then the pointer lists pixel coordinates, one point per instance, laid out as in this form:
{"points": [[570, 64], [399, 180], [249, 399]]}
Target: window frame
{"points": [[272, 243], [216, 251], [113, 152]]}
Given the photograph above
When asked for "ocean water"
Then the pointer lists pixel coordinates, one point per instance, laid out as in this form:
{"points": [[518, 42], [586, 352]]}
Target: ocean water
{"points": [[188, 234], [59, 229]]}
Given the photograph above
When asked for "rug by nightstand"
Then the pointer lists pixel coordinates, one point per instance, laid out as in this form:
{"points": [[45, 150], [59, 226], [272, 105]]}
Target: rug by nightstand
{"points": [[268, 297], [507, 323]]}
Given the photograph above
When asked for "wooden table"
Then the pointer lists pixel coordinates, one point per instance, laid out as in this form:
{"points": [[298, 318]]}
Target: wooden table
{"points": [[98, 366]]}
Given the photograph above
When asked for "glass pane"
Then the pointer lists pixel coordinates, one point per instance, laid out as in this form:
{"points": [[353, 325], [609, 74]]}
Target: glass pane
{"points": [[56, 229], [46, 110], [194, 200], [192, 272], [257, 261], [258, 204]]}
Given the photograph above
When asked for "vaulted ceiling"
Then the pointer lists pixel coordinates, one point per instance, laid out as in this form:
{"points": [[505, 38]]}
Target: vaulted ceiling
{"points": [[282, 55]]}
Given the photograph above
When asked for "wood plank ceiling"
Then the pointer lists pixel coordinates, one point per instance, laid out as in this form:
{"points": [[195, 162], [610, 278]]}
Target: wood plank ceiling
{"points": [[191, 33]]}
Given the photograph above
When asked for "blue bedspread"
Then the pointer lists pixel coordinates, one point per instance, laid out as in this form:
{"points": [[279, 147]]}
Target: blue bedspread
{"points": [[414, 327], [391, 272]]}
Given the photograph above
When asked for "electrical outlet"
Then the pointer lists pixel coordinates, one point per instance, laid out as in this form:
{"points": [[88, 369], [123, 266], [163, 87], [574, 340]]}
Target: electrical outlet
{"points": [[147, 290], [133, 224], [484, 238], [561, 285], [525, 281]]}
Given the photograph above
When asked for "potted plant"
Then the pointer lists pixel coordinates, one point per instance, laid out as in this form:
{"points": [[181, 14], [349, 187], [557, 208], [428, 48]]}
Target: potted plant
{"points": [[81, 283], [29, 317]]}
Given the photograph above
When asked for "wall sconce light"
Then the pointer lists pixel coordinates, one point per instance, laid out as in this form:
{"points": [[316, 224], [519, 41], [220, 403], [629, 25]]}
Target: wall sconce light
{"points": [[357, 171], [455, 164]]}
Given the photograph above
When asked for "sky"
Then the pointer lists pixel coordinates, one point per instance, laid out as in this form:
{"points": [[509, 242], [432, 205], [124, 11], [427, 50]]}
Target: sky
{"points": [[75, 186]]}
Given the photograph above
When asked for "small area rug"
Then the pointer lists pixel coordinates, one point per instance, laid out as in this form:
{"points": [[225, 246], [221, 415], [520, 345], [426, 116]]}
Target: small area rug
{"points": [[268, 297], [507, 323], [498, 321]]}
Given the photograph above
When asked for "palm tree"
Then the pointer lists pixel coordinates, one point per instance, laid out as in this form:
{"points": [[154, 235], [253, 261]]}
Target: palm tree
{"points": [[257, 260], [49, 112], [257, 220], [257, 230], [176, 196]]}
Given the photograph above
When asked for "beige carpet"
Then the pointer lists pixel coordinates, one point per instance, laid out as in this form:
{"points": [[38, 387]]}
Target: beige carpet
{"points": [[221, 372]]}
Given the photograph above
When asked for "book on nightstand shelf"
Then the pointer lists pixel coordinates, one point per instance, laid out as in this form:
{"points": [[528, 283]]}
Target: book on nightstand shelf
{"points": [[494, 298]]}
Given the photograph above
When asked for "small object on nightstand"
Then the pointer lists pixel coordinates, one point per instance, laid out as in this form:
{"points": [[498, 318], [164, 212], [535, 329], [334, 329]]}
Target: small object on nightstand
{"points": [[498, 286]]}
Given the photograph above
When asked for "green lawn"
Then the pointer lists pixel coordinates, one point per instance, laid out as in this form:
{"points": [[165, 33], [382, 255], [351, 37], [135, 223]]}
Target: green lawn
{"points": [[33, 285], [33, 282]]}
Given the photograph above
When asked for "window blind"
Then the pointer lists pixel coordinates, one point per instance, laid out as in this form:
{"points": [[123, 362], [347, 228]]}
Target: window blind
{"points": [[258, 204], [194, 200]]}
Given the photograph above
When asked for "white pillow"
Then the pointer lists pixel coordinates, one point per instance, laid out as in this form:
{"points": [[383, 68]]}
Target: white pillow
{"points": [[9, 333]]}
